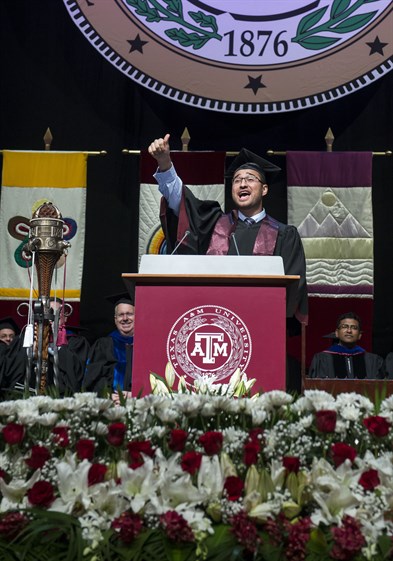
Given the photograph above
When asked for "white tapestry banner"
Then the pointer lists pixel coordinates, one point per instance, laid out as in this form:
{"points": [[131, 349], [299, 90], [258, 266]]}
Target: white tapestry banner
{"points": [[330, 202]]}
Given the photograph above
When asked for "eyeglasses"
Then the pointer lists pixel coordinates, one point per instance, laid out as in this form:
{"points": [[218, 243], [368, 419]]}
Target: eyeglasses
{"points": [[127, 315], [248, 179], [347, 326]]}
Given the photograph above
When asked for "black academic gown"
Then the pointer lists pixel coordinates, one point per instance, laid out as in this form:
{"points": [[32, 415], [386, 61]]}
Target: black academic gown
{"points": [[101, 365], [199, 218], [340, 365], [72, 363]]}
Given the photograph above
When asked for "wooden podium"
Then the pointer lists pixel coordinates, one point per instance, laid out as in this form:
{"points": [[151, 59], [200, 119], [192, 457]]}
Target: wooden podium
{"points": [[211, 322], [334, 386]]}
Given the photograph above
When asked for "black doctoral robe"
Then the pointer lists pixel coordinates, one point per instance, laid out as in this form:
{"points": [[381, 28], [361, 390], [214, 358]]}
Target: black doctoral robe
{"points": [[72, 362], [101, 366], [339, 362]]}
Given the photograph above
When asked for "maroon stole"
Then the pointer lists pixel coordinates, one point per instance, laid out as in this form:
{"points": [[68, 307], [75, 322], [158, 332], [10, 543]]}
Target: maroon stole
{"points": [[265, 241]]}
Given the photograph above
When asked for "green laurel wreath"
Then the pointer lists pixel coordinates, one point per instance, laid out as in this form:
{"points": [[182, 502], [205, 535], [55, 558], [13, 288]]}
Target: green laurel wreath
{"points": [[172, 10], [340, 21]]}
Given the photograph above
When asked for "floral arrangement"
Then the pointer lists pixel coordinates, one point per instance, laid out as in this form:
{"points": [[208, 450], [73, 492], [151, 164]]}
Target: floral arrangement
{"points": [[196, 477]]}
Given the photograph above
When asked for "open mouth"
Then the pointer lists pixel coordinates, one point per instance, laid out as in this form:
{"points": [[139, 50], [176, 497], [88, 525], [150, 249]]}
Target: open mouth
{"points": [[244, 194]]}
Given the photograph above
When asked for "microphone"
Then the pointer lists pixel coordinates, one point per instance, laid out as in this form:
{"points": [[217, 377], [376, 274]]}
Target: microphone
{"points": [[186, 234], [235, 242]]}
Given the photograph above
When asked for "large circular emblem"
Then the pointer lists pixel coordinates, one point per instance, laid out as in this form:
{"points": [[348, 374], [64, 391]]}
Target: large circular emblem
{"points": [[243, 57], [209, 341]]}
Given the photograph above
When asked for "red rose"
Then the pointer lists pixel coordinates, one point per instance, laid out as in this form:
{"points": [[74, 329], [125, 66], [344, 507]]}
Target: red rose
{"points": [[342, 452], [128, 525], [96, 474], [61, 436], [233, 486], [377, 425], [369, 479], [291, 463], [177, 440], [250, 452], [255, 435], [116, 434], [11, 524], [325, 420], [191, 462], [136, 449], [41, 494], [13, 433], [211, 442], [39, 455], [85, 449]]}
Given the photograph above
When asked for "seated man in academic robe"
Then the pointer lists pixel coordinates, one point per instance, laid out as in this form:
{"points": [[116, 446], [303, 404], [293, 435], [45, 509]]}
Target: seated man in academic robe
{"points": [[69, 353], [345, 358], [109, 366], [8, 330], [192, 226]]}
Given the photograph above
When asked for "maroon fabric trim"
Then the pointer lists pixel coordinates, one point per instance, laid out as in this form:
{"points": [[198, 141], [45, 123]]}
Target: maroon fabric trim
{"points": [[195, 168], [331, 290], [329, 169], [264, 244]]}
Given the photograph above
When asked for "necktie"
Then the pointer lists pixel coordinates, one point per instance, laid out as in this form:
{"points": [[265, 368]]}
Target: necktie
{"points": [[249, 221]]}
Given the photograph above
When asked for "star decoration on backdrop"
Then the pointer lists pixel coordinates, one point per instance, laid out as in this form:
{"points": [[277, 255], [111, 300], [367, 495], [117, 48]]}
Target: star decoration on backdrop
{"points": [[137, 44], [255, 84], [376, 46]]}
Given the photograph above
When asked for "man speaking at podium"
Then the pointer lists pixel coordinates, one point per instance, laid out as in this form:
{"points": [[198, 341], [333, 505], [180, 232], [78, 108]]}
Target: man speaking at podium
{"points": [[193, 226]]}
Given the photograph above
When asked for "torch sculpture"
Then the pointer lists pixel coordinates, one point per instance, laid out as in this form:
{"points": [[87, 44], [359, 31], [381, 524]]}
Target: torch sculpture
{"points": [[47, 244]]}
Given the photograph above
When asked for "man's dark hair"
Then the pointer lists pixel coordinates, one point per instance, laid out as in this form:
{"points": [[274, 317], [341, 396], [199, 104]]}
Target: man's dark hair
{"points": [[349, 315]]}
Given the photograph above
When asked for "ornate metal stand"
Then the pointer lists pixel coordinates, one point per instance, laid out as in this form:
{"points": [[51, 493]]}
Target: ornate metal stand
{"points": [[46, 241]]}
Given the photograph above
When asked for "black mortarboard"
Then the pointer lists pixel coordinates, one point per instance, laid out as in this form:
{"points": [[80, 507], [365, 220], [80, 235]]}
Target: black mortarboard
{"points": [[248, 160], [121, 298], [76, 329], [9, 323]]}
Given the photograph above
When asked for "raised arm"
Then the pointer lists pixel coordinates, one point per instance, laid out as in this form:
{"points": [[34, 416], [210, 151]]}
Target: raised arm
{"points": [[169, 183], [160, 150]]}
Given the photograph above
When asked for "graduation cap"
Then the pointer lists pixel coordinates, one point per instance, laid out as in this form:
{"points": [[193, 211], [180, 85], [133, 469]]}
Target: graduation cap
{"points": [[121, 298], [9, 323], [248, 160], [76, 330]]}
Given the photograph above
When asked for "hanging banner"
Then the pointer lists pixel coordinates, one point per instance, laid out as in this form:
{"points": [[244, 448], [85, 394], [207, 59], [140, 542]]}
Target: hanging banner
{"points": [[243, 57], [28, 180], [329, 201], [202, 172]]}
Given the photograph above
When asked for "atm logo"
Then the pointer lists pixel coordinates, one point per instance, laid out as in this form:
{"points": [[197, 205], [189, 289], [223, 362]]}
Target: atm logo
{"points": [[209, 340]]}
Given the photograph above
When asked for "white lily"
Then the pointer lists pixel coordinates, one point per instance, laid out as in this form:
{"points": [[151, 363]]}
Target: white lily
{"points": [[15, 490], [170, 374], [210, 479], [72, 485]]}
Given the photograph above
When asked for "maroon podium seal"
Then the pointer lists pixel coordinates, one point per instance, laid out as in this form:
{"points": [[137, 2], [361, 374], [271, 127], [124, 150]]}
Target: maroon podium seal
{"points": [[209, 341]]}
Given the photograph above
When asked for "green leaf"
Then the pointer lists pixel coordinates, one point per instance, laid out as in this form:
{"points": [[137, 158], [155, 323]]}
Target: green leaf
{"points": [[175, 6], [317, 42], [338, 7], [143, 9], [308, 21], [352, 23], [317, 542], [385, 546], [203, 20], [193, 40]]}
